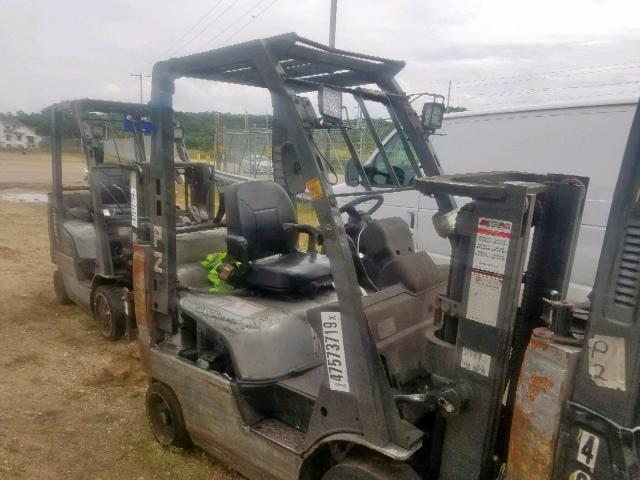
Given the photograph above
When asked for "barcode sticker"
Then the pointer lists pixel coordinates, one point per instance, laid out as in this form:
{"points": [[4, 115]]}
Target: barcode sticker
{"points": [[334, 351]]}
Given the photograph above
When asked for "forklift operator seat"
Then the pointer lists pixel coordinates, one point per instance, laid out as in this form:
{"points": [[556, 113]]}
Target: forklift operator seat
{"points": [[262, 235]]}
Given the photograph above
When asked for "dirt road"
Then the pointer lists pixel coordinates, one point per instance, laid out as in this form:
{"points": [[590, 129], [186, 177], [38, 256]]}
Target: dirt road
{"points": [[71, 404]]}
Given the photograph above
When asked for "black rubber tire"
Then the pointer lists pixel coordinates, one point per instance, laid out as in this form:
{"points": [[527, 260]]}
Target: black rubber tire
{"points": [[59, 289], [108, 311], [165, 416], [370, 467]]}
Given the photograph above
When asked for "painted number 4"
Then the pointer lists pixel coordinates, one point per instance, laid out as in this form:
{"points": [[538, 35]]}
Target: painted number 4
{"points": [[588, 450]]}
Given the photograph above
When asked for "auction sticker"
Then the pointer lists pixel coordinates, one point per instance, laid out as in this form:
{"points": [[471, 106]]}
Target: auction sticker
{"points": [[607, 362], [487, 272], [588, 449], [334, 351]]}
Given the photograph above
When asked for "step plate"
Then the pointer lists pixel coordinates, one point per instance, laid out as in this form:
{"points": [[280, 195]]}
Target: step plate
{"points": [[280, 433]]}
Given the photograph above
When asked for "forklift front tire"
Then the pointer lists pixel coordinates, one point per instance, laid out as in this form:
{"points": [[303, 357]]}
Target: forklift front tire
{"points": [[108, 310], [59, 290], [370, 467], [165, 417]]}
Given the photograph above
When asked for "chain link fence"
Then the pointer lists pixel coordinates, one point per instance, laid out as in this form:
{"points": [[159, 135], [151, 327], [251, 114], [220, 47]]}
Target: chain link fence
{"points": [[248, 152]]}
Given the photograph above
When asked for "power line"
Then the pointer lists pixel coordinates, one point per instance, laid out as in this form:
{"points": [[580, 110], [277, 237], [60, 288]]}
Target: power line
{"points": [[234, 22], [527, 76], [550, 89], [206, 27], [563, 99], [184, 35], [251, 20]]}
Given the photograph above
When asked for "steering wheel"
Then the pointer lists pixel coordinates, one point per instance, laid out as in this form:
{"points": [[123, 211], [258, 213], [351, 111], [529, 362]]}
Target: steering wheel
{"points": [[350, 207]]}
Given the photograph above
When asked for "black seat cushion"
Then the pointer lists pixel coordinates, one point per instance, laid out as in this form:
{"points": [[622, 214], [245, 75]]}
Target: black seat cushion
{"points": [[257, 212], [294, 272]]}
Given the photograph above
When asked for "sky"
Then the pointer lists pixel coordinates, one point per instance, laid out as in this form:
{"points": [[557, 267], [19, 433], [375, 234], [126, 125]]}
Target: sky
{"points": [[496, 53]]}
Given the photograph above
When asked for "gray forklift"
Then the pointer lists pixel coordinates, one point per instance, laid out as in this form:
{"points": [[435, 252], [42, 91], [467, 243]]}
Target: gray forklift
{"points": [[369, 361], [90, 226]]}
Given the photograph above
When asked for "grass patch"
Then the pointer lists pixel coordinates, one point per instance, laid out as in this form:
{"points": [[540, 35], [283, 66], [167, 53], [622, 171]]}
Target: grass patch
{"points": [[176, 463]]}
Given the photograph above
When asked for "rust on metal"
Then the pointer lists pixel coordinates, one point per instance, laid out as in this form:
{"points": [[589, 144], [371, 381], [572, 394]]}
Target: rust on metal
{"points": [[544, 383], [140, 293], [538, 384]]}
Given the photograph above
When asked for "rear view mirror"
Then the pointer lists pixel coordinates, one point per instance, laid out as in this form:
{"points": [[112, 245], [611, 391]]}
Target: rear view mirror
{"points": [[178, 133], [351, 174], [330, 104]]}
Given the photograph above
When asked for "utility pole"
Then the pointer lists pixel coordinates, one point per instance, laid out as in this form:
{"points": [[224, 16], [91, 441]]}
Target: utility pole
{"points": [[448, 97], [140, 76], [332, 23], [217, 141]]}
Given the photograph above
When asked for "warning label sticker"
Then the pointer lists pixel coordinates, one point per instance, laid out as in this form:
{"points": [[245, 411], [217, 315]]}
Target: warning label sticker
{"points": [[315, 189], [492, 245], [487, 273], [484, 298]]}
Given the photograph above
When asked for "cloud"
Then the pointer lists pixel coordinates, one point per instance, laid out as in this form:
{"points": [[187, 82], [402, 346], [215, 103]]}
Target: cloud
{"points": [[70, 48]]}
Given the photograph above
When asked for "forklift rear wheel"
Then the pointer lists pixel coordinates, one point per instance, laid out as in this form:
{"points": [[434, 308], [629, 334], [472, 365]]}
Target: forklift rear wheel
{"points": [[370, 467], [108, 309], [59, 290], [165, 416]]}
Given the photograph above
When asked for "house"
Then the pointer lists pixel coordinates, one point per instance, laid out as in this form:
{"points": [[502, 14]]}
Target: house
{"points": [[15, 134]]}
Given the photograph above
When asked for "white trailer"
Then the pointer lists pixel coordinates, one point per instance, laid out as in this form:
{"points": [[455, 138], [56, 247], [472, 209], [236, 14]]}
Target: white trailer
{"points": [[579, 138]]}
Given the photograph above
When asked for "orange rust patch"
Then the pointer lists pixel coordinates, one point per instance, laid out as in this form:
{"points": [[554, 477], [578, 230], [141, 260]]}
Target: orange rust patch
{"points": [[538, 343], [529, 453], [536, 385]]}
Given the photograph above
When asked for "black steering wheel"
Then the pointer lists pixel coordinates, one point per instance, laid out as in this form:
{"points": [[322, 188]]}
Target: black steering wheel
{"points": [[350, 207]]}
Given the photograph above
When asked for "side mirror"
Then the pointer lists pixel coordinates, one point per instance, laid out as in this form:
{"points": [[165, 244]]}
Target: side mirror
{"points": [[351, 174], [432, 115], [330, 104]]}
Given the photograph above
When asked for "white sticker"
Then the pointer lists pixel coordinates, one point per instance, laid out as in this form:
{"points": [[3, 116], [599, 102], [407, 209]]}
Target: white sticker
{"points": [[492, 245], [134, 205], [334, 351], [157, 261], [476, 362], [607, 362], [588, 449], [106, 212], [487, 273], [484, 298]]}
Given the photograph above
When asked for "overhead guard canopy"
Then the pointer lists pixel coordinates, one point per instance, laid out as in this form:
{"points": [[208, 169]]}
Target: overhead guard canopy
{"points": [[301, 59]]}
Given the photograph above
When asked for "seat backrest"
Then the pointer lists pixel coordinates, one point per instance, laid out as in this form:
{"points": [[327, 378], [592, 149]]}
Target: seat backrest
{"points": [[113, 180], [256, 211]]}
